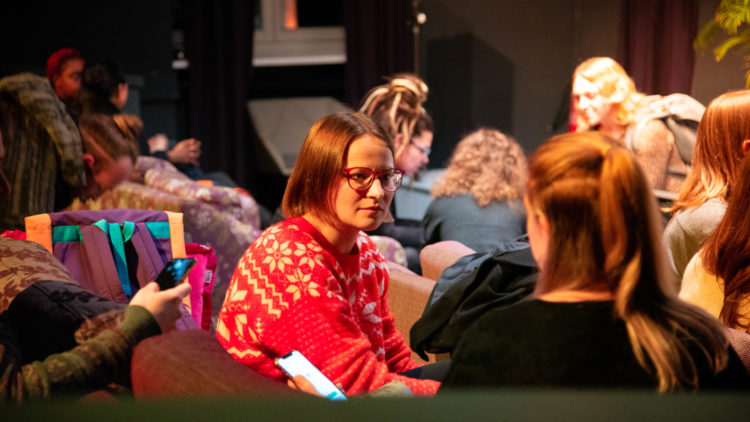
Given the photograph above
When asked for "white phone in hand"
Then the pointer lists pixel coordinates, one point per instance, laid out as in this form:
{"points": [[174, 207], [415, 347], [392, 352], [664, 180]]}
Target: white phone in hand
{"points": [[294, 363]]}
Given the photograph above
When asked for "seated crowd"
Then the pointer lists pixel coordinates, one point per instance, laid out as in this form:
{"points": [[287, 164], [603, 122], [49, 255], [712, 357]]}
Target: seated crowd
{"points": [[614, 305]]}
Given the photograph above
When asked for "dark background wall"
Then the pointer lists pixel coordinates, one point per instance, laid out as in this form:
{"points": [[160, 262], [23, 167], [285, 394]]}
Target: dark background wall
{"points": [[135, 33], [508, 64], [496, 63], [499, 64], [712, 79]]}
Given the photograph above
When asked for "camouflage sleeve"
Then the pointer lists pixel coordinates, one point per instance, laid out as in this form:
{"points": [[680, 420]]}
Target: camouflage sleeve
{"points": [[85, 368]]}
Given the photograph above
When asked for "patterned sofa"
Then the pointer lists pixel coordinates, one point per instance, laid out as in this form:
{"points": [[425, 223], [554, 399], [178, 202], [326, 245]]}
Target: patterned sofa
{"points": [[215, 216], [193, 364]]}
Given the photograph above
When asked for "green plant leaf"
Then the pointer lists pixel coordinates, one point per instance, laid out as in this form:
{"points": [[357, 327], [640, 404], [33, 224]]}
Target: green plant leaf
{"points": [[706, 34], [742, 39], [731, 14], [721, 50]]}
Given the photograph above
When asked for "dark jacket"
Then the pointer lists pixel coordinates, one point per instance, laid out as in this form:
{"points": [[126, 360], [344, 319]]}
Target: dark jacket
{"points": [[468, 289]]}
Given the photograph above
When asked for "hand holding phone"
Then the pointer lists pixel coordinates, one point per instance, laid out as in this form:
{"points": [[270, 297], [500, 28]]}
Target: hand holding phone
{"points": [[295, 363], [174, 273]]}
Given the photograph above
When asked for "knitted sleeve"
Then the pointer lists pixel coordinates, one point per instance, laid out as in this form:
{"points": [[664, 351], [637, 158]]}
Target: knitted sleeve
{"points": [[85, 368], [323, 331]]}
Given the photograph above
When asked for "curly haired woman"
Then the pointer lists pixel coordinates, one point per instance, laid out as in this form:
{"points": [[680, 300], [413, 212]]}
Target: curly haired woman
{"points": [[478, 198]]}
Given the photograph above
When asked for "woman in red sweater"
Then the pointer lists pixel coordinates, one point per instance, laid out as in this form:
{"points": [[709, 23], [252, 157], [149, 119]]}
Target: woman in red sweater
{"points": [[315, 282]]}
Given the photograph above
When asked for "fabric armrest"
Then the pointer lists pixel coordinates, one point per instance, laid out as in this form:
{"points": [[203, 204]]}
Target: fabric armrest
{"points": [[438, 256]]}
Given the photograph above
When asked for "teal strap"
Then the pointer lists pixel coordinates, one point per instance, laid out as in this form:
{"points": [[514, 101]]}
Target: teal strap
{"points": [[115, 238], [60, 234], [128, 228], [102, 224], [158, 230]]}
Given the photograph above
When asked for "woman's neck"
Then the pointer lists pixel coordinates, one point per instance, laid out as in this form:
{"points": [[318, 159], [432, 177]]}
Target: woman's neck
{"points": [[615, 132], [612, 129], [343, 240], [577, 296]]}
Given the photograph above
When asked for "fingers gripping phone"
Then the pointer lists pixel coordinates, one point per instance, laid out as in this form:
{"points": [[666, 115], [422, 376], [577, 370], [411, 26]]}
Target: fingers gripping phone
{"points": [[174, 273], [295, 363]]}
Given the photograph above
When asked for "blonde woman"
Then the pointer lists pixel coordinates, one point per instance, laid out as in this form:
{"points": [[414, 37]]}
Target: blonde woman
{"points": [[605, 100], [477, 201], [603, 312]]}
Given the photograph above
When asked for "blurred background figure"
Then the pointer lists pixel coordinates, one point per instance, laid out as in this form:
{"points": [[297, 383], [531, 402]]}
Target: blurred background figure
{"points": [[718, 277], [64, 68], [605, 99], [478, 198], [397, 106], [723, 139], [105, 90], [49, 159], [604, 314]]}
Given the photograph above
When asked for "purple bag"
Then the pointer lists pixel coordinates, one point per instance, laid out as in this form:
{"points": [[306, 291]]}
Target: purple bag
{"points": [[110, 252]]}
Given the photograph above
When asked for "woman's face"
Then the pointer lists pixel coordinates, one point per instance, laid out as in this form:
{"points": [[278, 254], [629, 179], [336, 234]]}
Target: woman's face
{"points": [[590, 105], [68, 82], [364, 210], [108, 174], [416, 154]]}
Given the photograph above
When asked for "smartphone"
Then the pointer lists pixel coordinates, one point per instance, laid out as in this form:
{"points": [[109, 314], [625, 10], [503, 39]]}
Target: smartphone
{"points": [[295, 363], [174, 273]]}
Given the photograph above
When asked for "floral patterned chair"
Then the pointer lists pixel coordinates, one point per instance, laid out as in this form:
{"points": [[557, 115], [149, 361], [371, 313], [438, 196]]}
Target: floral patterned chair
{"points": [[215, 216]]}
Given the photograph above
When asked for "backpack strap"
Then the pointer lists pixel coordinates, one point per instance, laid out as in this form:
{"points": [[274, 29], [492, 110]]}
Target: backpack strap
{"points": [[39, 230], [98, 259], [149, 260], [117, 238], [176, 234]]}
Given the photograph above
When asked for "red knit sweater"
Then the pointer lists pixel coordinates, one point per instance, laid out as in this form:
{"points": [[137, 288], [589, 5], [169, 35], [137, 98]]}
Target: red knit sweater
{"points": [[293, 290]]}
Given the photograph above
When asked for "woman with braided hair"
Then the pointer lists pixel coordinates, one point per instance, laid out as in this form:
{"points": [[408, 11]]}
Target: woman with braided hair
{"points": [[397, 107]]}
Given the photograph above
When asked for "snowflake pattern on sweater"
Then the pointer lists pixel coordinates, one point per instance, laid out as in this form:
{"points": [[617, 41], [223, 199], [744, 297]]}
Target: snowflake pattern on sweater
{"points": [[293, 290]]}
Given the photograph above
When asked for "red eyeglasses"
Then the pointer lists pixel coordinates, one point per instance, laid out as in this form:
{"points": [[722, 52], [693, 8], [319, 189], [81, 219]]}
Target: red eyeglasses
{"points": [[361, 178]]}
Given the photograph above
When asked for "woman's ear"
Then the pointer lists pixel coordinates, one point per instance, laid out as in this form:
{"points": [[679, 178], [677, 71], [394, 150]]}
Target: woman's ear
{"points": [[745, 146], [398, 140], [120, 97], [89, 160], [543, 224]]}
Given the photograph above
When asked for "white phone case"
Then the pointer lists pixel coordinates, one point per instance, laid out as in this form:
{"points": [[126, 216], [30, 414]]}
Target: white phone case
{"points": [[295, 364]]}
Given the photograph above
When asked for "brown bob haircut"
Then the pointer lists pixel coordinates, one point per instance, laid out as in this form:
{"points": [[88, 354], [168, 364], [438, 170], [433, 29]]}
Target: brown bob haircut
{"points": [[321, 161]]}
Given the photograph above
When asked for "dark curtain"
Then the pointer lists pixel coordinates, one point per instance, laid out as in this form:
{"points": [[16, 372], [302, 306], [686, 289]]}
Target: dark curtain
{"points": [[219, 48], [379, 42], [655, 45]]}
